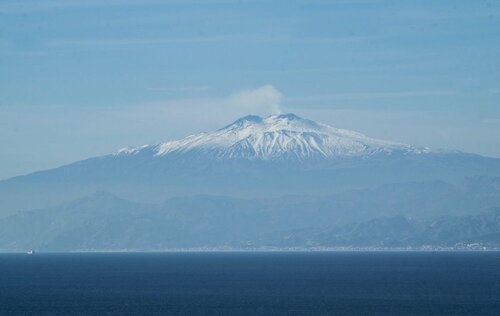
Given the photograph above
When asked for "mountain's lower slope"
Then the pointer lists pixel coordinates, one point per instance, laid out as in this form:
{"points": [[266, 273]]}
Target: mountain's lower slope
{"points": [[147, 179]]}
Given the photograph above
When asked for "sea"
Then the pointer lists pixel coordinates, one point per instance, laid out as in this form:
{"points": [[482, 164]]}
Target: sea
{"points": [[251, 283]]}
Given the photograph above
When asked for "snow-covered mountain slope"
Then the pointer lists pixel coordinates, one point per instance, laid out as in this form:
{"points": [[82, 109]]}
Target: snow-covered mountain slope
{"points": [[276, 137]]}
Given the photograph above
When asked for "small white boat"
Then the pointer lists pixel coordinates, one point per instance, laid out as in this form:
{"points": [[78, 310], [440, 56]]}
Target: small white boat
{"points": [[31, 252]]}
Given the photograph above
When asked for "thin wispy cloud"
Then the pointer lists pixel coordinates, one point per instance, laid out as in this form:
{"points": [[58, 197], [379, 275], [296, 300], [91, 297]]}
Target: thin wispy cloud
{"points": [[437, 15], [371, 95], [13, 6], [238, 37], [120, 42], [492, 120], [33, 6], [181, 89]]}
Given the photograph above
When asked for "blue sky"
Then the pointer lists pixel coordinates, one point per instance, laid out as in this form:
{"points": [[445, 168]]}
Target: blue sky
{"points": [[83, 78]]}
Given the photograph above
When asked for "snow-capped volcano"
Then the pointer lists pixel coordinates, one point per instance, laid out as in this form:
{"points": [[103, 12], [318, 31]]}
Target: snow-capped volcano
{"points": [[254, 156], [275, 137]]}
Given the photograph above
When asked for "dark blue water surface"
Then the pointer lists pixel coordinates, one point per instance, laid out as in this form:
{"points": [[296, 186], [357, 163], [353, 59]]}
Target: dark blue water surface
{"points": [[335, 283]]}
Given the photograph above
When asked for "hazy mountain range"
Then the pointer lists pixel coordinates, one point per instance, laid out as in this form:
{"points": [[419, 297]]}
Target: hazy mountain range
{"points": [[279, 181]]}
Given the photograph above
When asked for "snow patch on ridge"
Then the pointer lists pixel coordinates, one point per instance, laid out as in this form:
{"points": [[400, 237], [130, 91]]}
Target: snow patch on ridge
{"points": [[130, 150]]}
